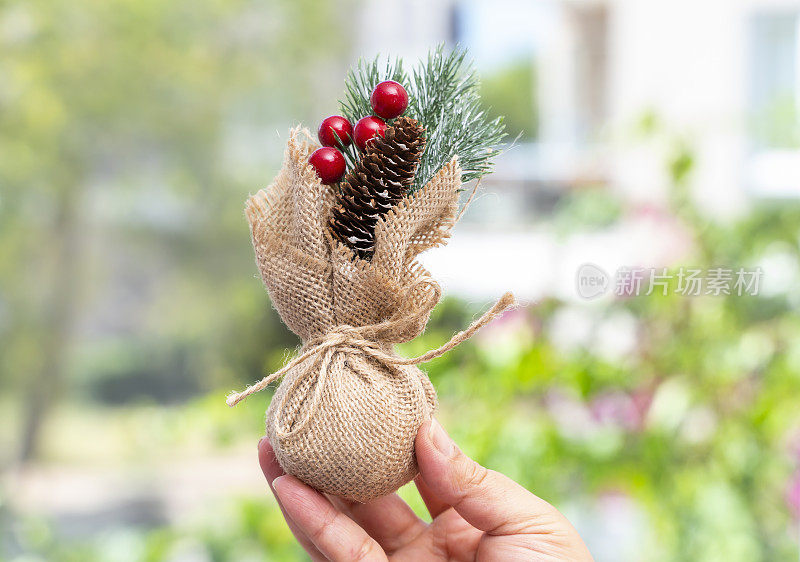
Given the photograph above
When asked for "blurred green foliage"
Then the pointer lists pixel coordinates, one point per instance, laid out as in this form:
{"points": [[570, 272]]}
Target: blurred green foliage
{"points": [[130, 133], [695, 425], [777, 126], [511, 92]]}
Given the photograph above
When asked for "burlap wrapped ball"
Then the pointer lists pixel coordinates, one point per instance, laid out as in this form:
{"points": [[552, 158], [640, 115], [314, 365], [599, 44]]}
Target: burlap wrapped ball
{"points": [[358, 443], [345, 416]]}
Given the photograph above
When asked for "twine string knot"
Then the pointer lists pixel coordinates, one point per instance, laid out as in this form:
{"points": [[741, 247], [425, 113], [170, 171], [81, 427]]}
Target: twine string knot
{"points": [[351, 339]]}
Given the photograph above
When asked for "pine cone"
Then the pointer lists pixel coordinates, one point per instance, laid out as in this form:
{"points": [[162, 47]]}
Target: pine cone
{"points": [[377, 183]]}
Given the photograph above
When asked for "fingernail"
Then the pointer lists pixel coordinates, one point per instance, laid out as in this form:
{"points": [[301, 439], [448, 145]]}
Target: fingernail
{"points": [[275, 485], [260, 441], [440, 439]]}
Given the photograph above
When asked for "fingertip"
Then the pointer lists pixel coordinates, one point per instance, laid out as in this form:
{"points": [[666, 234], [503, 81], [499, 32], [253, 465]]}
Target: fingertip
{"points": [[434, 450], [425, 428], [486, 499], [278, 482], [282, 487], [441, 440], [285, 494], [286, 485], [432, 501], [423, 444], [333, 533], [299, 499], [268, 461]]}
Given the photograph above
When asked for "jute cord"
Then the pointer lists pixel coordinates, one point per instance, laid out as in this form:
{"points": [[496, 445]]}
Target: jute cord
{"points": [[350, 339], [469, 200]]}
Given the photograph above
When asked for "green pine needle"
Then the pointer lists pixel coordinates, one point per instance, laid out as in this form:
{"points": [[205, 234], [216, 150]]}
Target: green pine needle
{"points": [[444, 97]]}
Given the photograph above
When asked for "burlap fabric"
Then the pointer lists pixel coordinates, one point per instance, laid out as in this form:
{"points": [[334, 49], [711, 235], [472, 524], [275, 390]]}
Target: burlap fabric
{"points": [[346, 414]]}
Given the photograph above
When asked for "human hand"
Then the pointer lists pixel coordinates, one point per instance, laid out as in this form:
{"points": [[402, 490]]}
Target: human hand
{"points": [[478, 514]]}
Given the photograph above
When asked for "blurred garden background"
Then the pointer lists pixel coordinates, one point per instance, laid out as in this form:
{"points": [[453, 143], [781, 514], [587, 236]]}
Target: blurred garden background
{"points": [[652, 134]]}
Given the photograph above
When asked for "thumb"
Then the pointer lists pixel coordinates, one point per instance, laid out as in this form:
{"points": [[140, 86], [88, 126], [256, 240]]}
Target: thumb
{"points": [[486, 499]]}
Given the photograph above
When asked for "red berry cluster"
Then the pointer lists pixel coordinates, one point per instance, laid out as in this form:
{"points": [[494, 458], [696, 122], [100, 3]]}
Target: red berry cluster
{"points": [[389, 100]]}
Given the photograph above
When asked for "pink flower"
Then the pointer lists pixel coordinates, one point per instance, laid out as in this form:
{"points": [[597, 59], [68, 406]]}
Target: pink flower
{"points": [[617, 408], [793, 444]]}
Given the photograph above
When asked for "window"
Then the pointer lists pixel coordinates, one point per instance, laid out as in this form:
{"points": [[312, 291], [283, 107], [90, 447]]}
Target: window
{"points": [[774, 104], [774, 95]]}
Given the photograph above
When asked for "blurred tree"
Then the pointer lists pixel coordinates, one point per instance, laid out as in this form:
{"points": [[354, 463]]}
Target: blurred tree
{"points": [[127, 117], [511, 92]]}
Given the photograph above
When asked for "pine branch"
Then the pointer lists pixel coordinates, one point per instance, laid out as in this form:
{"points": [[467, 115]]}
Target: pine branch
{"points": [[362, 79], [444, 98], [359, 83]]}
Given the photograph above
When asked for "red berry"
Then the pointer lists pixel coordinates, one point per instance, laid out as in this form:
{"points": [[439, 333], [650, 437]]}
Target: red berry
{"points": [[389, 99], [332, 127], [366, 128], [329, 164]]}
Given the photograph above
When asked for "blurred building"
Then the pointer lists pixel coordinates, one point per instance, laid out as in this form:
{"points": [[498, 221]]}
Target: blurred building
{"points": [[711, 69], [718, 76]]}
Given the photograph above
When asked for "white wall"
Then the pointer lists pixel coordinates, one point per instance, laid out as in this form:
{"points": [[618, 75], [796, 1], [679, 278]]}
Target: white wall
{"points": [[686, 60], [405, 28]]}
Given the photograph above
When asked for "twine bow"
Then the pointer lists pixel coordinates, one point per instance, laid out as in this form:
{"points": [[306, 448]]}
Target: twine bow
{"points": [[352, 339]]}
